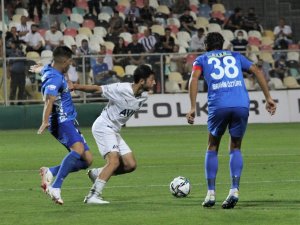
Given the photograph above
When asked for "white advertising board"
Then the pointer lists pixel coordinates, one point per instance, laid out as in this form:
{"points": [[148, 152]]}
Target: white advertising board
{"points": [[170, 109]]}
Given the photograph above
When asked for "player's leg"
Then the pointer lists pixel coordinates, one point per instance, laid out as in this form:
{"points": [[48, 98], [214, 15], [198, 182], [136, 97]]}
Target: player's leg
{"points": [[237, 128], [217, 123]]}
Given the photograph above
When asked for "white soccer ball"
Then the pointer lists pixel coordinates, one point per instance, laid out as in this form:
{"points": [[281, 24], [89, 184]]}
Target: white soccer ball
{"points": [[180, 187]]}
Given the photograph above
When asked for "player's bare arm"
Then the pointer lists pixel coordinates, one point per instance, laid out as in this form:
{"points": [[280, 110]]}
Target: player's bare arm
{"points": [[193, 91], [46, 113], [270, 104], [85, 88]]}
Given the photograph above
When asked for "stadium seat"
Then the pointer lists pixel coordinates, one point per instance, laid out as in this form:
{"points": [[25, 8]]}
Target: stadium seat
{"points": [[173, 21], [70, 31], [269, 33], [17, 18], [177, 77], [126, 36], [129, 69], [12, 24], [267, 57], [158, 29], [163, 9], [72, 24], [194, 15], [86, 31], [107, 9], [154, 4], [183, 35], [293, 56], [125, 3], [172, 87], [174, 29], [109, 46], [293, 47], [82, 4], [67, 11], [78, 10], [253, 49], [46, 54], [101, 31], [80, 37], [291, 82], [89, 23], [245, 34], [97, 39], [254, 41], [214, 27], [201, 22], [218, 8], [248, 84], [76, 17], [227, 34], [104, 16], [254, 33], [119, 71], [95, 45], [69, 40], [21, 11], [277, 83], [267, 41], [34, 56]]}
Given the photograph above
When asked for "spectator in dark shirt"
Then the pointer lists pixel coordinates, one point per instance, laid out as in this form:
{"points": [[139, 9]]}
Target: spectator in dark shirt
{"points": [[120, 48], [187, 21], [135, 48], [10, 38], [250, 22], [147, 13], [235, 20], [168, 41], [239, 44], [180, 6]]}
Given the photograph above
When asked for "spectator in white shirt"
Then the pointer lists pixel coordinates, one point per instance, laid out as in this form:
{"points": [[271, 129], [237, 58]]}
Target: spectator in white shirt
{"points": [[34, 40], [283, 32], [23, 28], [53, 37], [197, 41]]}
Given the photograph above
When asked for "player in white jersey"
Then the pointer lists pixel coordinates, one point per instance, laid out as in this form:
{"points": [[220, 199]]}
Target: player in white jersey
{"points": [[124, 100]]}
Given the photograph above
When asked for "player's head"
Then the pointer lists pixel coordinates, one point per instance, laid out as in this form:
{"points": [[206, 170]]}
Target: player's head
{"points": [[144, 75], [214, 41], [62, 57]]}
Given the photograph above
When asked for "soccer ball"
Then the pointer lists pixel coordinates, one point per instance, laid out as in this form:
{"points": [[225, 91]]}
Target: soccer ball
{"points": [[180, 187]]}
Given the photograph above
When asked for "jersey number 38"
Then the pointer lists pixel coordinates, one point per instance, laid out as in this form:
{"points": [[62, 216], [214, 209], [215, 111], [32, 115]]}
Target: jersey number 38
{"points": [[229, 69]]}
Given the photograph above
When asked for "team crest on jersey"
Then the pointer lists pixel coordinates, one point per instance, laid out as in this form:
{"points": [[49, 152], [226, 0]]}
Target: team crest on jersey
{"points": [[51, 87]]}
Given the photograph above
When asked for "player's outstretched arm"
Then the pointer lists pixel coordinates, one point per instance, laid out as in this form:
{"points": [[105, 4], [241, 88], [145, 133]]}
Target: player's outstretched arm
{"points": [[193, 91], [270, 104], [85, 88]]}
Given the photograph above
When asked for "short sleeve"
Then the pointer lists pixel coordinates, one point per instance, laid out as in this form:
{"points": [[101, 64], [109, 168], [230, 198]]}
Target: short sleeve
{"points": [[245, 63], [52, 86], [111, 91], [197, 65]]}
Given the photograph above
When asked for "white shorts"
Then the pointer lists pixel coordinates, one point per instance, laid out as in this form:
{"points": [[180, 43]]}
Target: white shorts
{"points": [[108, 140]]}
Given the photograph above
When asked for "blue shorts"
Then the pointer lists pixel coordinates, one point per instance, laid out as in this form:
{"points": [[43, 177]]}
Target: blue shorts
{"points": [[236, 118], [67, 134]]}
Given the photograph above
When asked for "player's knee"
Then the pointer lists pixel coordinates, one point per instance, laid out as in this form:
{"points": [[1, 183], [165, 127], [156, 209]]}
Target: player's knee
{"points": [[131, 167]]}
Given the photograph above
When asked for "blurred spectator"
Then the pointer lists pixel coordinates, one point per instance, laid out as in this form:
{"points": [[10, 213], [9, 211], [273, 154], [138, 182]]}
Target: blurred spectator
{"points": [[197, 41], [11, 36], [147, 13], [250, 21], [281, 68], [186, 21], [35, 4], [168, 3], [111, 3], [135, 48], [83, 65], [17, 73], [53, 37], [120, 48], [204, 9], [148, 41], [133, 11], [116, 24], [93, 4], [217, 17], [168, 41], [266, 69], [283, 32], [178, 63], [234, 22], [239, 43], [180, 6], [107, 57], [56, 9], [100, 71], [33, 40], [23, 28]]}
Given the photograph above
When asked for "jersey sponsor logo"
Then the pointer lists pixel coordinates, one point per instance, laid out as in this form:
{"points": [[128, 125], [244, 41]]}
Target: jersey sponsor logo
{"points": [[127, 112], [51, 87], [115, 147]]}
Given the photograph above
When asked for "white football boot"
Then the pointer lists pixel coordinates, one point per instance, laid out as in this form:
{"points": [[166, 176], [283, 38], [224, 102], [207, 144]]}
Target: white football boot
{"points": [[232, 199], [46, 177], [210, 199], [54, 193], [94, 199]]}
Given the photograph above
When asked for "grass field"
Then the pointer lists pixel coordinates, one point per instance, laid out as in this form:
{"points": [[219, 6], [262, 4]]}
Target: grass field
{"points": [[270, 186]]}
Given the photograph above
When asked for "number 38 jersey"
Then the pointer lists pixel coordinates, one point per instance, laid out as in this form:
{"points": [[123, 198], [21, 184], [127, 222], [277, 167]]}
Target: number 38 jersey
{"points": [[222, 71], [121, 106]]}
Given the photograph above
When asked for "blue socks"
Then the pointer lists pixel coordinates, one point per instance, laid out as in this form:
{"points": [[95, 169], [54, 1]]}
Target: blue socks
{"points": [[67, 165], [236, 167], [211, 168], [80, 165]]}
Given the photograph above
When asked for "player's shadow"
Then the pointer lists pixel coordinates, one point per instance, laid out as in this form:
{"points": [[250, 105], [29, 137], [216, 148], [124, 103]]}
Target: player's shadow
{"points": [[270, 204]]}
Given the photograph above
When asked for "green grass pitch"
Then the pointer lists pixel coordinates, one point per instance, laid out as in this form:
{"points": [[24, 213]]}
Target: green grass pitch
{"points": [[269, 192]]}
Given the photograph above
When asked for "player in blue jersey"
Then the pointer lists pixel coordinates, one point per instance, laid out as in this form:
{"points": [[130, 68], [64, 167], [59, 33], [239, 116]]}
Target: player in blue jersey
{"points": [[59, 117], [228, 106]]}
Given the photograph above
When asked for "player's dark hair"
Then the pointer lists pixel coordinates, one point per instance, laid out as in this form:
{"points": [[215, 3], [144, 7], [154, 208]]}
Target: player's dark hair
{"points": [[62, 52], [214, 41], [142, 72]]}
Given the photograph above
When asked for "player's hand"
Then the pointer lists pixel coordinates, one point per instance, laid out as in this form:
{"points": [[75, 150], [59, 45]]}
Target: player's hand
{"points": [[35, 68], [190, 116], [70, 85], [42, 128], [271, 106]]}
